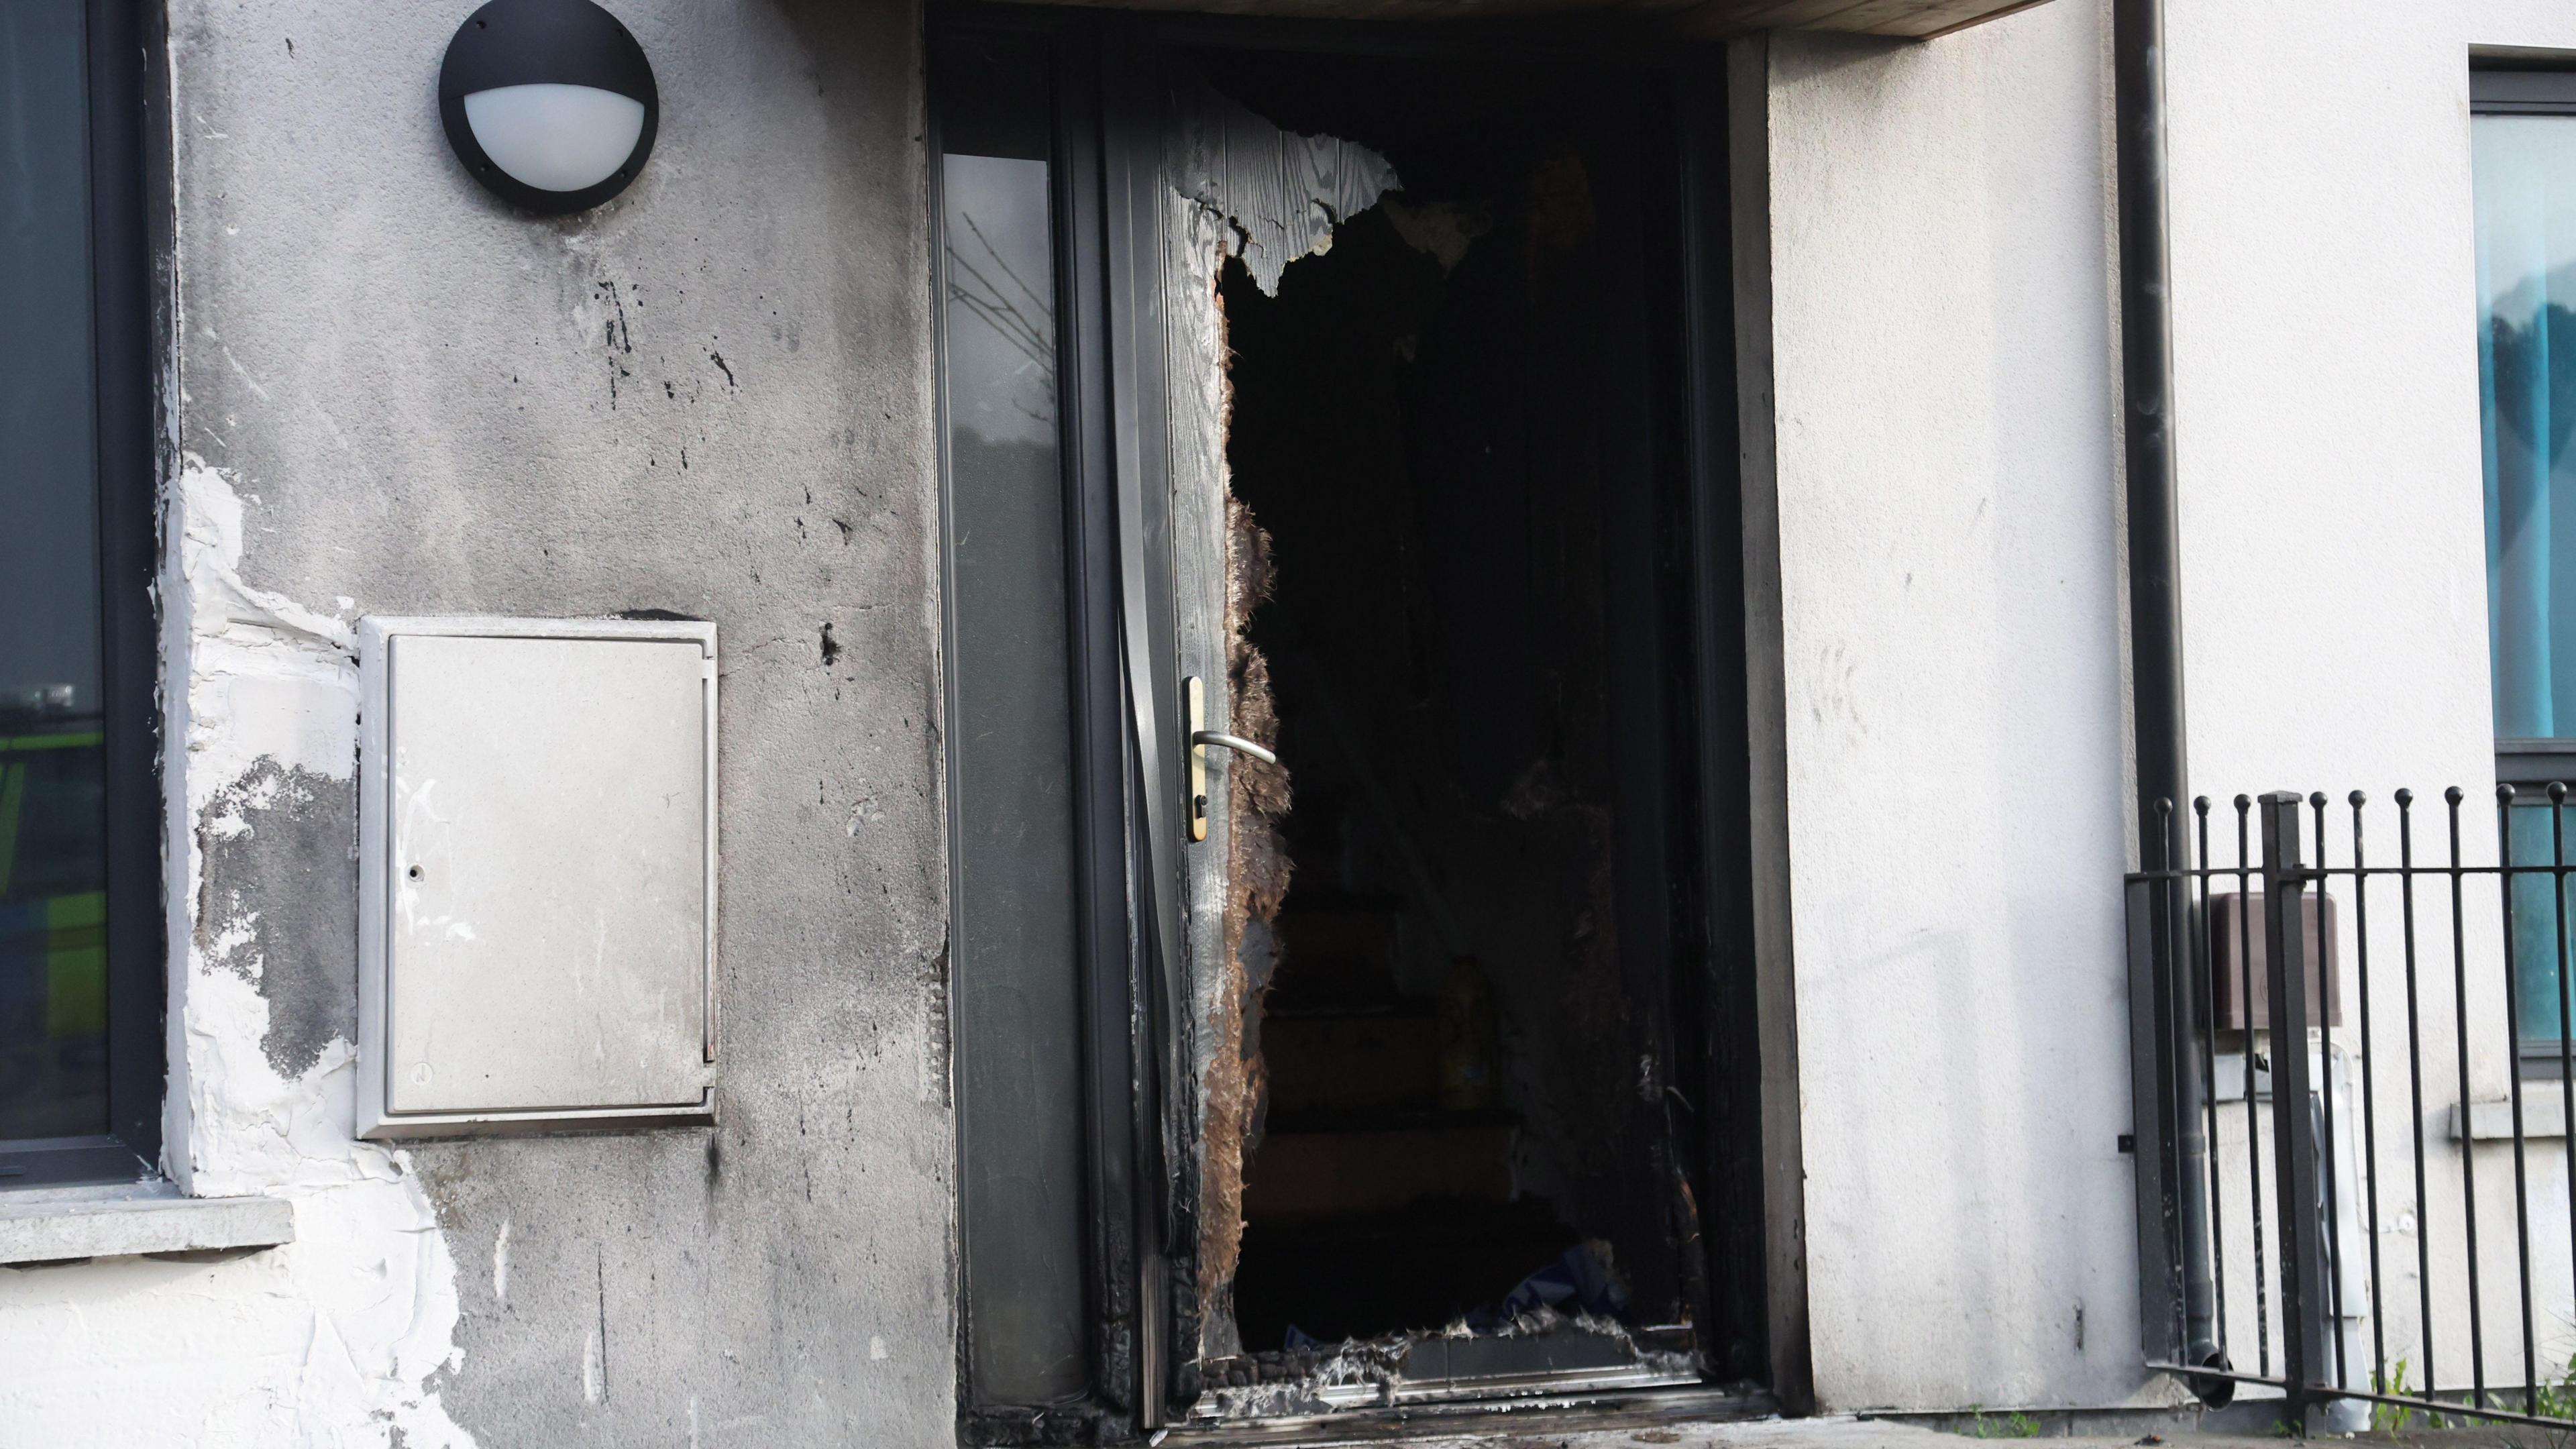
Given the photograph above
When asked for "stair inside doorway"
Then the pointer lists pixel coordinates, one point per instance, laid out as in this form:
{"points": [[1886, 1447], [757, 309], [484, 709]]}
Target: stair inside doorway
{"points": [[1376, 1201]]}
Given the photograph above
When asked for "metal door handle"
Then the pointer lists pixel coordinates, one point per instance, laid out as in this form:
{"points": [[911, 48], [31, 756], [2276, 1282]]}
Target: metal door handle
{"points": [[1234, 742], [1194, 710]]}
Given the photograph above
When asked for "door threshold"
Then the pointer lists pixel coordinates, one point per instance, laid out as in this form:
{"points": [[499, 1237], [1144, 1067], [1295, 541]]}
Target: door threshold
{"points": [[1405, 1393], [1568, 1404]]}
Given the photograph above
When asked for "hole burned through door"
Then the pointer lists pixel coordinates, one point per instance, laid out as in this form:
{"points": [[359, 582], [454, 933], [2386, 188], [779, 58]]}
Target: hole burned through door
{"points": [[1441, 1093]]}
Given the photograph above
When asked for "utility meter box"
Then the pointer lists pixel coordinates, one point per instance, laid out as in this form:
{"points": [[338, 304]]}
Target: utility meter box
{"points": [[537, 875]]}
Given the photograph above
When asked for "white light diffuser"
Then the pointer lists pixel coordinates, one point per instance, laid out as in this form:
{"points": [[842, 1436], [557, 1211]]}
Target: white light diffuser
{"points": [[556, 137]]}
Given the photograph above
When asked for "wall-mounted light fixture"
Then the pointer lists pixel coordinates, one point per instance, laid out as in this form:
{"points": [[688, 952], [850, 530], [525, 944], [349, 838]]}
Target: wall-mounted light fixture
{"points": [[550, 103]]}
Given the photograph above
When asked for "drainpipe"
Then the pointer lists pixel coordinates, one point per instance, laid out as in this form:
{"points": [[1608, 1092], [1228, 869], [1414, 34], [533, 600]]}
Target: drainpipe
{"points": [[2155, 609]]}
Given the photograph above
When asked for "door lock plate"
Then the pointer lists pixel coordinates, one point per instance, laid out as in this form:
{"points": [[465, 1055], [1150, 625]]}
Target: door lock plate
{"points": [[1194, 698]]}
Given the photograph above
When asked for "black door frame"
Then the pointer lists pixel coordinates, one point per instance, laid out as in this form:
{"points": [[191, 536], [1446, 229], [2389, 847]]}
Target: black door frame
{"points": [[1728, 908]]}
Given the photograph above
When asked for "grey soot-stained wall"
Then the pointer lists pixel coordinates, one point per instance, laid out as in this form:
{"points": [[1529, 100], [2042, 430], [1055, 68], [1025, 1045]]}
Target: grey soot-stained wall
{"points": [[712, 396]]}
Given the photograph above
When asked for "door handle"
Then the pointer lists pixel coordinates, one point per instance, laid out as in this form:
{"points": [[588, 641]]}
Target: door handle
{"points": [[1233, 742], [1194, 701]]}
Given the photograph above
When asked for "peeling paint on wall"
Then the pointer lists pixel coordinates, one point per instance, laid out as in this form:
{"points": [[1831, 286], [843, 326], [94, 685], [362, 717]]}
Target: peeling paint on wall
{"points": [[290, 832], [402, 394]]}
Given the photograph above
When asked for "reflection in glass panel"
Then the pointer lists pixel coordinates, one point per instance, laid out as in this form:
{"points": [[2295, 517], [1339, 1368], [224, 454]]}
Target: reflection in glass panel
{"points": [[1016, 968], [2526, 240], [53, 904], [2540, 918]]}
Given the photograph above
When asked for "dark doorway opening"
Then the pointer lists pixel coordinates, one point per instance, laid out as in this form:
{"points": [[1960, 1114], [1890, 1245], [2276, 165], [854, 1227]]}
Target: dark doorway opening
{"points": [[1485, 1039], [1489, 1000]]}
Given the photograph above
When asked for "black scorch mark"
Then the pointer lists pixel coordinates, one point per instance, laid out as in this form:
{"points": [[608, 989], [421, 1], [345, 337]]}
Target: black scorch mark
{"points": [[620, 337], [831, 646], [599, 1272]]}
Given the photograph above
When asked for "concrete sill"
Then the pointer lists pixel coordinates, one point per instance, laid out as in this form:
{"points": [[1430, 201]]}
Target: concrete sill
{"points": [[2543, 1116], [41, 1226]]}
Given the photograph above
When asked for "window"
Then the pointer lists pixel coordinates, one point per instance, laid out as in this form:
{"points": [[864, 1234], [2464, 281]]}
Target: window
{"points": [[2526, 258], [81, 1063], [1015, 960]]}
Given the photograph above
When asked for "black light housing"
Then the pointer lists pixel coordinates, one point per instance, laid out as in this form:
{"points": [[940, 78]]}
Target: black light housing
{"points": [[541, 99]]}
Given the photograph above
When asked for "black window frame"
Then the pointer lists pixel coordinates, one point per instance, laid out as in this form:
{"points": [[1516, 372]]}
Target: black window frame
{"points": [[2529, 85], [2523, 86], [121, 52]]}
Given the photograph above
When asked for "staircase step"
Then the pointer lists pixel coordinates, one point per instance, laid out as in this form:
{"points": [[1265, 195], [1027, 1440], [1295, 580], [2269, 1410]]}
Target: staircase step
{"points": [[1419, 1267], [1306, 1175], [1337, 955], [1352, 1062]]}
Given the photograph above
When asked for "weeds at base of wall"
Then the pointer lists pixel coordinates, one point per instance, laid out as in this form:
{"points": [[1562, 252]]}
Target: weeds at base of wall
{"points": [[1982, 1425], [2554, 1400]]}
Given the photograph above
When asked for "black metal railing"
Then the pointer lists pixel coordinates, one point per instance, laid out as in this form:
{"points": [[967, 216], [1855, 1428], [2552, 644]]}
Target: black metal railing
{"points": [[2393, 1234]]}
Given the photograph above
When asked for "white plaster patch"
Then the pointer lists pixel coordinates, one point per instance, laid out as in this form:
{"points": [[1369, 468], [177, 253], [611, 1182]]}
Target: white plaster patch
{"points": [[335, 1338], [266, 679], [326, 1341], [865, 812], [501, 1264]]}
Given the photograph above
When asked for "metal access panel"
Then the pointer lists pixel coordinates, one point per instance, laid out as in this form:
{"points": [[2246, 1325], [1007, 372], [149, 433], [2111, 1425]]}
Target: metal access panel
{"points": [[537, 875]]}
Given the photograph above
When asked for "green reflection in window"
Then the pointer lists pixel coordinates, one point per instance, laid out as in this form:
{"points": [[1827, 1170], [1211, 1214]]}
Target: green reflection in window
{"points": [[53, 980]]}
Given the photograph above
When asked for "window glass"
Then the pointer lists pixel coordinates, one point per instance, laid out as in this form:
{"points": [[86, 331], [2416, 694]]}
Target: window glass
{"points": [[2544, 949], [1016, 967], [2526, 243], [53, 960]]}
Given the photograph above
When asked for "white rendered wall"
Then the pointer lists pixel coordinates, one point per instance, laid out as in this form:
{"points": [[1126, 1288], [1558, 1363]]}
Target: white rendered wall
{"points": [[390, 394], [1947, 464], [1948, 537], [2334, 576]]}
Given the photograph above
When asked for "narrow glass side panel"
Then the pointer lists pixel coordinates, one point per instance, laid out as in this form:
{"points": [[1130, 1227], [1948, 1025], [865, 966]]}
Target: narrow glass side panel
{"points": [[53, 902], [2526, 261], [1014, 964]]}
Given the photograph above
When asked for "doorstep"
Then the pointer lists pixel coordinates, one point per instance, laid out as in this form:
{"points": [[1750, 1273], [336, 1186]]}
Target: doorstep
{"points": [[1528, 1421], [1628, 1426], [1511, 1431]]}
